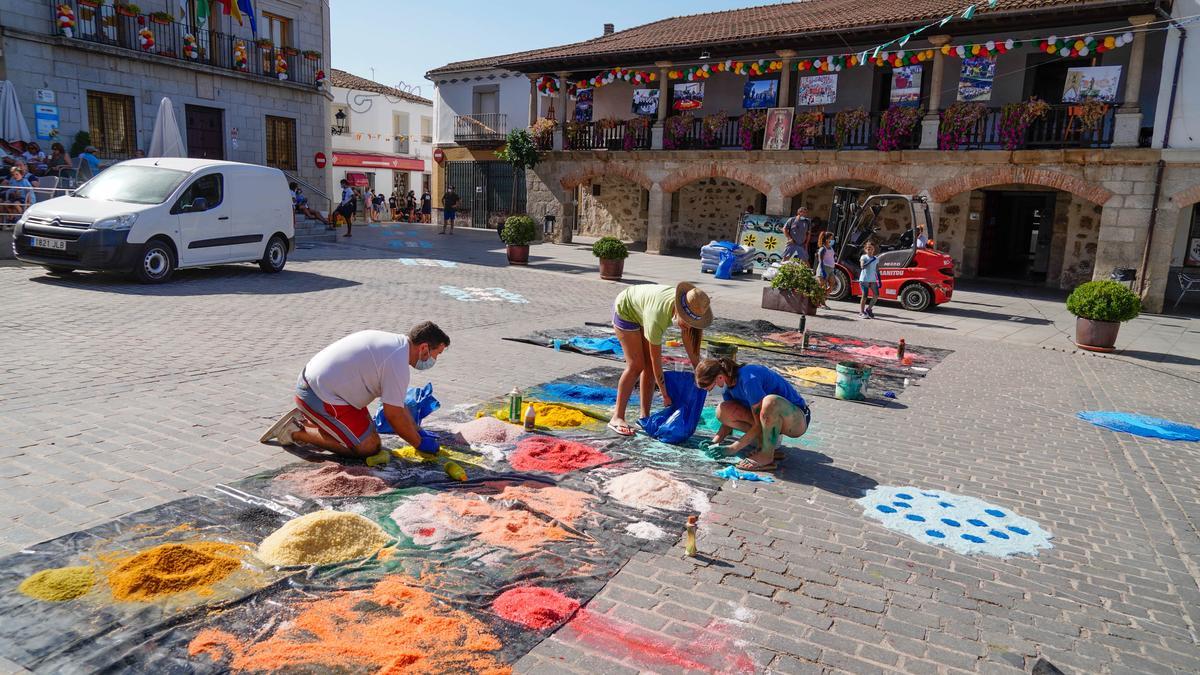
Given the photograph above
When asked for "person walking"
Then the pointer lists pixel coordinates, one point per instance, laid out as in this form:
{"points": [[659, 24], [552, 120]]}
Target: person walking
{"points": [[410, 207], [796, 230], [868, 280], [826, 262], [426, 205], [449, 205], [345, 209]]}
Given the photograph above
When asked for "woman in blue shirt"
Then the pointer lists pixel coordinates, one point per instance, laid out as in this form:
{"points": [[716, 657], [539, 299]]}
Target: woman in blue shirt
{"points": [[757, 402], [868, 280]]}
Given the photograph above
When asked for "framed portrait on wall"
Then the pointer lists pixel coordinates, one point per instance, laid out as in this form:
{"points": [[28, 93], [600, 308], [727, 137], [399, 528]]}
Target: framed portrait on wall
{"points": [[975, 79], [906, 86], [583, 105], [778, 133], [760, 94], [645, 102], [687, 96], [1094, 82], [817, 90]]}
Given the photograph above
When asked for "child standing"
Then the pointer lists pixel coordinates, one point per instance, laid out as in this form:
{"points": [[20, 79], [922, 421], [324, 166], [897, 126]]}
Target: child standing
{"points": [[868, 280], [826, 262]]}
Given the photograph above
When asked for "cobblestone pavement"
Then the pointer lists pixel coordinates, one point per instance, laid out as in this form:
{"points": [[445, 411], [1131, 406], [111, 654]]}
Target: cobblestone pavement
{"points": [[116, 397]]}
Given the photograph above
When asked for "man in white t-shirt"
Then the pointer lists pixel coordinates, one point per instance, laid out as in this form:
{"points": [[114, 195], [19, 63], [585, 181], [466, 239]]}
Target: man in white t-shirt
{"points": [[337, 385]]}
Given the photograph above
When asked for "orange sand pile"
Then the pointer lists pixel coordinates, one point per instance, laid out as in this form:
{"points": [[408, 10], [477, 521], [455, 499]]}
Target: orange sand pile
{"points": [[431, 518], [559, 503], [394, 627], [174, 568]]}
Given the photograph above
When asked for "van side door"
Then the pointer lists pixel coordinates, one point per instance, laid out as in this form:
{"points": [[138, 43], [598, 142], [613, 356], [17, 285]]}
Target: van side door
{"points": [[251, 222], [202, 216]]}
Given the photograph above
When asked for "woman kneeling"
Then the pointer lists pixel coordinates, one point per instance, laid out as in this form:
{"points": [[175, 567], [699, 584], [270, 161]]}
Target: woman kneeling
{"points": [[757, 402]]}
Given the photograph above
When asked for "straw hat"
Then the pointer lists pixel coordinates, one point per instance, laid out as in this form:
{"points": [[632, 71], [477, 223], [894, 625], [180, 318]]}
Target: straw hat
{"points": [[692, 306]]}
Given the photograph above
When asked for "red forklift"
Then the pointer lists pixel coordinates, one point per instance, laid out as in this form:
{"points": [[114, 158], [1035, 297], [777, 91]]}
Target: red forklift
{"points": [[911, 271]]}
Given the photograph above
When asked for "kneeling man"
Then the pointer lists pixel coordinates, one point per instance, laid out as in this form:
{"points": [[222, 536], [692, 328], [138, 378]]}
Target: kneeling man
{"points": [[338, 384]]}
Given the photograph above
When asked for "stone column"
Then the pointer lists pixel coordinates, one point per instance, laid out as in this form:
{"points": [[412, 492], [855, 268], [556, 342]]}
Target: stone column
{"points": [[533, 100], [563, 114], [929, 125], [785, 77], [658, 218], [656, 131], [776, 205], [1128, 118]]}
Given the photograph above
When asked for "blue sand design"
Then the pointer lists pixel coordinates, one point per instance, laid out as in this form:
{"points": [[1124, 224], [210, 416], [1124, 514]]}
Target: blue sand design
{"points": [[733, 473], [426, 244], [595, 345], [579, 393], [395, 243], [976, 527], [1142, 425]]}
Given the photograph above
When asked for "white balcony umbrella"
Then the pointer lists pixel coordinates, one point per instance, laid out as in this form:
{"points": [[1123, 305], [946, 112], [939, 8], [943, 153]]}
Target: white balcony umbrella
{"points": [[12, 122], [166, 141]]}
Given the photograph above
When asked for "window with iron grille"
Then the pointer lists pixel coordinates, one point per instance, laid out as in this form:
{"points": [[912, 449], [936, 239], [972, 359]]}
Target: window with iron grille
{"points": [[111, 121], [281, 143]]}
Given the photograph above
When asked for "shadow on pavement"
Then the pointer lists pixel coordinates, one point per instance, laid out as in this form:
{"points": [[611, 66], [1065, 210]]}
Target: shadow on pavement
{"points": [[246, 280], [1160, 358], [813, 468]]}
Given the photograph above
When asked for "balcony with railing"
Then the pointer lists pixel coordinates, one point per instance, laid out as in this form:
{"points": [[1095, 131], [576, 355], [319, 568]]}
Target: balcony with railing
{"points": [[482, 128], [607, 135], [158, 35]]}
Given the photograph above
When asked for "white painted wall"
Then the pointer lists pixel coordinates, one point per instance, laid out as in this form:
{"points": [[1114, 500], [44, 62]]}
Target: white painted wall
{"points": [[454, 95], [1185, 127], [371, 129]]}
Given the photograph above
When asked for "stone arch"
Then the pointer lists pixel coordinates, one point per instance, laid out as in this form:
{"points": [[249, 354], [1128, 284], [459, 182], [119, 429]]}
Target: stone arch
{"points": [[830, 174], [1018, 175], [700, 170], [1186, 197], [592, 170]]}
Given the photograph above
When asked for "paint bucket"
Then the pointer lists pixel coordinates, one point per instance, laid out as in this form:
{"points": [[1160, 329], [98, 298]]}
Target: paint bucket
{"points": [[852, 380], [717, 350]]}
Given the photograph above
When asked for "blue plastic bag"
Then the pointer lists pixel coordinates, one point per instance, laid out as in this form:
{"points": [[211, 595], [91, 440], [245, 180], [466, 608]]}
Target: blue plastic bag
{"points": [[725, 267], [729, 245], [733, 473], [420, 403], [1142, 425], [677, 423], [597, 345]]}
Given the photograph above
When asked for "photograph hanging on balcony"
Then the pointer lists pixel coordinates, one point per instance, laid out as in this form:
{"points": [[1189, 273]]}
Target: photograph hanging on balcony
{"points": [[906, 86], [817, 90], [975, 80], [687, 96], [778, 135], [645, 102], [760, 94], [1098, 83], [583, 105]]}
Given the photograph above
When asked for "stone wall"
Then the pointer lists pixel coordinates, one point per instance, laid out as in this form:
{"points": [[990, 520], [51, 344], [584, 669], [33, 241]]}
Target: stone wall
{"points": [[618, 211], [709, 209]]}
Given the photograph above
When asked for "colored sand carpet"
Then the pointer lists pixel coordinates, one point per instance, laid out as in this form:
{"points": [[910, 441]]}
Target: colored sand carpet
{"points": [[552, 415], [174, 568], [59, 584], [555, 455], [1142, 425], [334, 480], [322, 538]]}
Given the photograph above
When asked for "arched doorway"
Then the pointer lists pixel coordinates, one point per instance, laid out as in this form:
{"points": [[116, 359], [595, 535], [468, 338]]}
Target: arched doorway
{"points": [[710, 209], [893, 220]]}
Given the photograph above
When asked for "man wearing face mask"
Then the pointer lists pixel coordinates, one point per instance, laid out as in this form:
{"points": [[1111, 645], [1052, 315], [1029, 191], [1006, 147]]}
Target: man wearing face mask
{"points": [[337, 385]]}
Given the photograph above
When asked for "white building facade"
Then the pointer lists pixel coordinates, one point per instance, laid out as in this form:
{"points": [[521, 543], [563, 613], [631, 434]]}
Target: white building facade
{"points": [[382, 137]]}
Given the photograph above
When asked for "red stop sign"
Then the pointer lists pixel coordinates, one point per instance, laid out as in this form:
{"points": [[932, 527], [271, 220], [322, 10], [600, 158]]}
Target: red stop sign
{"points": [[438, 155], [319, 160]]}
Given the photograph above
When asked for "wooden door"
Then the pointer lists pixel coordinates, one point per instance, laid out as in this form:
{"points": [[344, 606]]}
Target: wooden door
{"points": [[205, 132]]}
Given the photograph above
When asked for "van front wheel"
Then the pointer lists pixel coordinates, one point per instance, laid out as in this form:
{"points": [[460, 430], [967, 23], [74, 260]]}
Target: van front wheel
{"points": [[275, 256], [156, 263]]}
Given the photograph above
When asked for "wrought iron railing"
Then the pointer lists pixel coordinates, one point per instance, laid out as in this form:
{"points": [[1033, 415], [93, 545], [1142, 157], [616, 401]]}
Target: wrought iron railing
{"points": [[108, 25], [607, 135], [1063, 126], [484, 127]]}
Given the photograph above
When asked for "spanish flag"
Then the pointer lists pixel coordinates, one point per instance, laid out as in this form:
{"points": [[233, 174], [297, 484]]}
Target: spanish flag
{"points": [[230, 8]]}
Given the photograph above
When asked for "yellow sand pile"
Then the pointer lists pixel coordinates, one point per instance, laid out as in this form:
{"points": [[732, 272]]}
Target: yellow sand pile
{"points": [[322, 538]]}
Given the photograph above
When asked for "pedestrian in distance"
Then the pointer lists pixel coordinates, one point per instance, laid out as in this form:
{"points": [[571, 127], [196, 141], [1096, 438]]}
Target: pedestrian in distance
{"points": [[345, 208], [826, 262], [426, 205], [758, 402], [449, 207], [336, 386], [796, 229], [641, 316], [868, 279]]}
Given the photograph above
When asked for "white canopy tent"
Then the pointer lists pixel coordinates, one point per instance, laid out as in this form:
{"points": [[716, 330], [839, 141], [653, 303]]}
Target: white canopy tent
{"points": [[166, 141], [12, 122]]}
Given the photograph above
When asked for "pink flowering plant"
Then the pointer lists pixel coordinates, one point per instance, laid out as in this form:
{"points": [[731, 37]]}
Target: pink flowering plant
{"points": [[806, 126], [958, 121], [896, 127], [1015, 119], [751, 123], [676, 129]]}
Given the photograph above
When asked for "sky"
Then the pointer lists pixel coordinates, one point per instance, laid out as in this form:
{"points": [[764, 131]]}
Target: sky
{"points": [[404, 39]]}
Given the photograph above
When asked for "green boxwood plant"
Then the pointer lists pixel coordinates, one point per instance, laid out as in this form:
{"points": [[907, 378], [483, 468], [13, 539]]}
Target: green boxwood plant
{"points": [[610, 248], [519, 231], [797, 277], [1104, 301]]}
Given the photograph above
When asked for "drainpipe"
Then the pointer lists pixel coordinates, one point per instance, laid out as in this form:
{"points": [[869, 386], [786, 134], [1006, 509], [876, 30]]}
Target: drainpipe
{"points": [[1162, 164]]}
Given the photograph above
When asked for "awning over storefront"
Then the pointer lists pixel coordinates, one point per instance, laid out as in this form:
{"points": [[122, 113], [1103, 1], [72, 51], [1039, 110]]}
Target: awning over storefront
{"points": [[377, 161]]}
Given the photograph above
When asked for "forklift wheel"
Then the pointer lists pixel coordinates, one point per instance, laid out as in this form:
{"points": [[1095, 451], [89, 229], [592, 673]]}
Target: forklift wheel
{"points": [[916, 297], [840, 288]]}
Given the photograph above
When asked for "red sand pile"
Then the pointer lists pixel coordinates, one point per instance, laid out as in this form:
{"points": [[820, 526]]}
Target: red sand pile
{"points": [[533, 607], [394, 627], [334, 480], [554, 455]]}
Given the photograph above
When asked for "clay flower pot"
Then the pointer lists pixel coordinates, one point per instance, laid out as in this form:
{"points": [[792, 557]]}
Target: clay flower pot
{"points": [[612, 269], [518, 255], [1096, 336]]}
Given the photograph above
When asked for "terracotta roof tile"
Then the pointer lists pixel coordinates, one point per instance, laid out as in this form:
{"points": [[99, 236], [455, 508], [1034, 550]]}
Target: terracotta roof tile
{"points": [[340, 78]]}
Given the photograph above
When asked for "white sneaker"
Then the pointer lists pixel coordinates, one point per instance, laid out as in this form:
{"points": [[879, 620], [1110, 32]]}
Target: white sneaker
{"points": [[283, 429]]}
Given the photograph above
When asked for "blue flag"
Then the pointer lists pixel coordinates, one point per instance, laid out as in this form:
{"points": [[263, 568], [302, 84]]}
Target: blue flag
{"points": [[248, 9]]}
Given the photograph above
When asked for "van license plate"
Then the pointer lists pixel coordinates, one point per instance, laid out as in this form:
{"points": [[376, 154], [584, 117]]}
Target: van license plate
{"points": [[42, 242]]}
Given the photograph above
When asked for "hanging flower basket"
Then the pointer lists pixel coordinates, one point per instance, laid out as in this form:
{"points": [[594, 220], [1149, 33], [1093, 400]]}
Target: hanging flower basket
{"points": [[634, 129], [312, 55], [675, 130], [291, 51], [1015, 119], [751, 123], [806, 126], [846, 122], [129, 10], [1091, 114], [897, 126], [66, 20], [264, 43], [711, 128], [89, 3], [161, 18], [958, 121]]}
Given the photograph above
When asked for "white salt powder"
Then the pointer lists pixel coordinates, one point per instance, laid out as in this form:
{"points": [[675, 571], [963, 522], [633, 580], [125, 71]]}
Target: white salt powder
{"points": [[652, 489], [644, 530], [489, 431]]}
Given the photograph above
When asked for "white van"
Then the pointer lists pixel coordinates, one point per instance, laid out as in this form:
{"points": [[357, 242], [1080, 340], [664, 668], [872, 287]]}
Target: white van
{"points": [[152, 216]]}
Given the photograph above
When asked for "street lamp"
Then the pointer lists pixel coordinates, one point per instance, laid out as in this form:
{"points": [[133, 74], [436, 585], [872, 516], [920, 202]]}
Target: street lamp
{"points": [[340, 127]]}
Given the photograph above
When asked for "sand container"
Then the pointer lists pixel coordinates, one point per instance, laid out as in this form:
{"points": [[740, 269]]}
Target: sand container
{"points": [[652, 489], [331, 479], [322, 538], [59, 584], [174, 568], [489, 431]]}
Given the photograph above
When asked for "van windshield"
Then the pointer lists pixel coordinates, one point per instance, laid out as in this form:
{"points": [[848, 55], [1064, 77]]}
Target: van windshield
{"points": [[133, 184]]}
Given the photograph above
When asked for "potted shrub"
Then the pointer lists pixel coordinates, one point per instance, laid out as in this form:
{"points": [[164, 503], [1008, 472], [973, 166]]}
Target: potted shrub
{"points": [[518, 232], [612, 253], [127, 9], [312, 55], [1100, 307], [794, 289], [161, 18]]}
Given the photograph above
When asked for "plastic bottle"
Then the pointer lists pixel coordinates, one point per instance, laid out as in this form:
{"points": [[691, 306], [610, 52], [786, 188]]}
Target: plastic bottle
{"points": [[530, 417], [900, 351], [514, 406], [454, 471], [691, 536]]}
